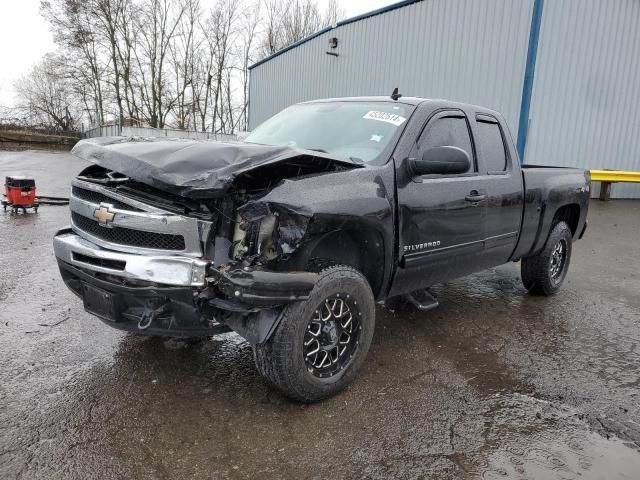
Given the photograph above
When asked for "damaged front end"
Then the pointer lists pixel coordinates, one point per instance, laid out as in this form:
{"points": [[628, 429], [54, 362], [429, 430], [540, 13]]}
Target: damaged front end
{"points": [[207, 255]]}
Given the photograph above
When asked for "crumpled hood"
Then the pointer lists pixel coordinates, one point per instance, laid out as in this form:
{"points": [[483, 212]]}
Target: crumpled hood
{"points": [[192, 168]]}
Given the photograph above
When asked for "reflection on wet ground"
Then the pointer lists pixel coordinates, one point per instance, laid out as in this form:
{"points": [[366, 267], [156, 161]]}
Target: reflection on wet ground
{"points": [[492, 384]]}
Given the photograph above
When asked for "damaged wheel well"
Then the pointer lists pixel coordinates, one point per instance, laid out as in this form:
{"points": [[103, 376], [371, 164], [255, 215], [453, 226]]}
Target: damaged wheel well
{"points": [[361, 249]]}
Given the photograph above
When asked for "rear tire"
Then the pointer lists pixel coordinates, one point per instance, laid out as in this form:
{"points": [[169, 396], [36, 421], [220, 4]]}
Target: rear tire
{"points": [[544, 273], [321, 343]]}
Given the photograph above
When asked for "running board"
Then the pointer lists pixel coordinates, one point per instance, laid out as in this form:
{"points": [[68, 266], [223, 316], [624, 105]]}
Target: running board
{"points": [[422, 299]]}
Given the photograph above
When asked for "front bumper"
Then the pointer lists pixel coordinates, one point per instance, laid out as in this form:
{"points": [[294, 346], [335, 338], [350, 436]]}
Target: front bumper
{"points": [[147, 309], [174, 295], [171, 270]]}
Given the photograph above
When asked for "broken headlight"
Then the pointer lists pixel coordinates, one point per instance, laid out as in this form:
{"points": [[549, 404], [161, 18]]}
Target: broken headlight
{"points": [[272, 229], [255, 238], [264, 243]]}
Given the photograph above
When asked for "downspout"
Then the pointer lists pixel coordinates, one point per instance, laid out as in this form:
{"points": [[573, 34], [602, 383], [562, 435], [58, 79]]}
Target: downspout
{"points": [[529, 72]]}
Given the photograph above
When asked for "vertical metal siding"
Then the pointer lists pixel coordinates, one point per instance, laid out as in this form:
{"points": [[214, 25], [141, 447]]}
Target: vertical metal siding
{"points": [[586, 92], [465, 50], [585, 109]]}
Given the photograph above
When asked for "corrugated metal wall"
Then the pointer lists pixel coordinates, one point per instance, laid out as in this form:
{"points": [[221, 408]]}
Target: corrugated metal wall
{"points": [[586, 92], [464, 50], [585, 110]]}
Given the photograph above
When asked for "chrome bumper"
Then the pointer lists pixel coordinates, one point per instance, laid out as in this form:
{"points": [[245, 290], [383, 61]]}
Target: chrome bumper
{"points": [[163, 269]]}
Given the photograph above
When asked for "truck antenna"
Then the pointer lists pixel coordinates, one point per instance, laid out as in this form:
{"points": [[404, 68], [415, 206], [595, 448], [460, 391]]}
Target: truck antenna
{"points": [[395, 95]]}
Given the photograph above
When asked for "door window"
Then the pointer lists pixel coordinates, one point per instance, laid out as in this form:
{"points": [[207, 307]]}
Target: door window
{"points": [[448, 131]]}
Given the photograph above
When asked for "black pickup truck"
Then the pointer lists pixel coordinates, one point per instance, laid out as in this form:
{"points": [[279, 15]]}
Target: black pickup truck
{"points": [[290, 237]]}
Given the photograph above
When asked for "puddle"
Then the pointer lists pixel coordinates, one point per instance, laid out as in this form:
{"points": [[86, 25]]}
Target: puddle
{"points": [[550, 456]]}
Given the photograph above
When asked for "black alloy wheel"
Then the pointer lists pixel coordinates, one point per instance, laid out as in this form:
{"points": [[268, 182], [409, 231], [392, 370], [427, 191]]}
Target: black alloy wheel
{"points": [[544, 272], [332, 335], [320, 343], [558, 260]]}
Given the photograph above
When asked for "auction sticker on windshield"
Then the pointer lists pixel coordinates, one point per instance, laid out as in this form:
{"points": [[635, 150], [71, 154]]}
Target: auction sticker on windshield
{"points": [[391, 118]]}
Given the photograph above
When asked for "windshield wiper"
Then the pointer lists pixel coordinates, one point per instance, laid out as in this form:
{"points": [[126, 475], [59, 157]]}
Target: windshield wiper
{"points": [[353, 159]]}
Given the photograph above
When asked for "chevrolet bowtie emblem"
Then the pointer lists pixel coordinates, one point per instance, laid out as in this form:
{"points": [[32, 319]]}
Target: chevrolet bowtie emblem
{"points": [[103, 215]]}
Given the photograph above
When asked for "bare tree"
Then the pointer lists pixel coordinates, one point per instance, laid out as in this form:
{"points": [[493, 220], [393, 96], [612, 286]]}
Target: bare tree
{"points": [[301, 19], [183, 63], [183, 51], [249, 24], [157, 25], [333, 13], [273, 39], [223, 24], [110, 15], [72, 22], [44, 96], [289, 22], [128, 41]]}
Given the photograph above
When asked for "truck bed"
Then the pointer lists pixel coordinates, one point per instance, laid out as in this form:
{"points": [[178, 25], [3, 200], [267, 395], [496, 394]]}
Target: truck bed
{"points": [[545, 189]]}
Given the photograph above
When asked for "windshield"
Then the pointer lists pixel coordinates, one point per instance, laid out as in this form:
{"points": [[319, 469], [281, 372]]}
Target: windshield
{"points": [[346, 130]]}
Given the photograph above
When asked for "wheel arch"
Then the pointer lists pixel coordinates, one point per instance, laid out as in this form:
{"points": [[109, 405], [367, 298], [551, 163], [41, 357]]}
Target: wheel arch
{"points": [[570, 214], [362, 249]]}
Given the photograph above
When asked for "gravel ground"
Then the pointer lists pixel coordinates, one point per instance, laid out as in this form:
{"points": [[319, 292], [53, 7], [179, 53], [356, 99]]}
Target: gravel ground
{"points": [[494, 383]]}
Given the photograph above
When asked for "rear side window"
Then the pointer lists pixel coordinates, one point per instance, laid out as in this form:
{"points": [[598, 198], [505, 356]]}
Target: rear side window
{"points": [[447, 131], [491, 146]]}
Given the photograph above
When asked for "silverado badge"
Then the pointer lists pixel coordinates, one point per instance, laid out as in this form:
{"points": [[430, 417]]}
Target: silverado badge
{"points": [[104, 215], [421, 246]]}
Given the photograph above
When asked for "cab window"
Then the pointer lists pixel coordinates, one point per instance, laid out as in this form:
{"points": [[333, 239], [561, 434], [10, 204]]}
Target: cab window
{"points": [[450, 131], [491, 148]]}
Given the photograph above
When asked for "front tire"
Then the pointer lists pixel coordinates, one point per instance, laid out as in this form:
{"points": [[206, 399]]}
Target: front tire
{"points": [[321, 343], [544, 273]]}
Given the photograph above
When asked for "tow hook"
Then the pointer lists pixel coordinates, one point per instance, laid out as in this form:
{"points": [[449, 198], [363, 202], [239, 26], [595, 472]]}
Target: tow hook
{"points": [[150, 314]]}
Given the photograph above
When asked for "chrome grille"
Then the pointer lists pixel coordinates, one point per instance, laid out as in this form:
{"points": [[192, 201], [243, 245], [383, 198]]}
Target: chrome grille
{"points": [[127, 236], [136, 227], [98, 197]]}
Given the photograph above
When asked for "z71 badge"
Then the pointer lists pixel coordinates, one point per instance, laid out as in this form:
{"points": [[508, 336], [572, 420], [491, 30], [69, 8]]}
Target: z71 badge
{"points": [[421, 246]]}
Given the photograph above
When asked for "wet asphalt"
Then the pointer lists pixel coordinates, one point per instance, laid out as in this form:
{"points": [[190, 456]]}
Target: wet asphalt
{"points": [[492, 384]]}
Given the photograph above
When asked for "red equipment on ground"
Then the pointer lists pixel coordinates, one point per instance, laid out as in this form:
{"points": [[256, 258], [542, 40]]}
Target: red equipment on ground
{"points": [[21, 194]]}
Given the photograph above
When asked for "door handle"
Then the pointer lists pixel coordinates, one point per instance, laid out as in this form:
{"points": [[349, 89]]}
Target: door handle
{"points": [[475, 197]]}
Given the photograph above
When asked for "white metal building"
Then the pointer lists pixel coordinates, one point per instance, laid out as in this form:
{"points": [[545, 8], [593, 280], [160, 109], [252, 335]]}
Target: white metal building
{"points": [[565, 73]]}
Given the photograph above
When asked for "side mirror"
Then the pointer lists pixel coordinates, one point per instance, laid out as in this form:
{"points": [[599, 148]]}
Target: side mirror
{"points": [[441, 160]]}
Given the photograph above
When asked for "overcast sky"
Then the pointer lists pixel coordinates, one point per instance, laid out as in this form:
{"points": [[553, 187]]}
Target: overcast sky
{"points": [[25, 36]]}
